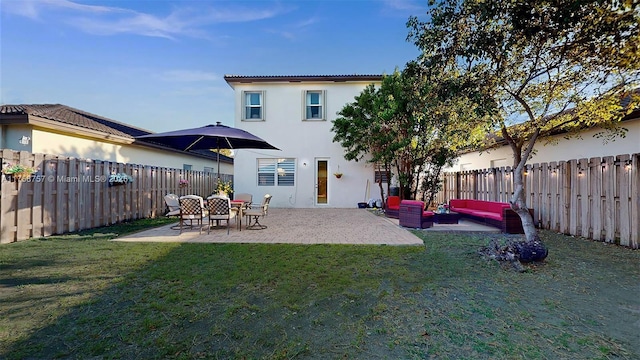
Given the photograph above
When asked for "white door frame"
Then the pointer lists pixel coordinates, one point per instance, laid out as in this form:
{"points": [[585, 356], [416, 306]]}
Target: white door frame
{"points": [[319, 182]]}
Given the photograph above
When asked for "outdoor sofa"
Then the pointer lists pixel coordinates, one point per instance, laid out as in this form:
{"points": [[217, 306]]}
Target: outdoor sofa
{"points": [[497, 214]]}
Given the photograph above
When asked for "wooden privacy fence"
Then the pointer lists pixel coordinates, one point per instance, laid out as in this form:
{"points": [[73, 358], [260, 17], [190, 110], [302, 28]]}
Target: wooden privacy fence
{"points": [[69, 194], [597, 198]]}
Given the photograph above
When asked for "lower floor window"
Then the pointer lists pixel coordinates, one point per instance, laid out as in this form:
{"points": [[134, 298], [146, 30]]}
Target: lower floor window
{"points": [[380, 176], [276, 172]]}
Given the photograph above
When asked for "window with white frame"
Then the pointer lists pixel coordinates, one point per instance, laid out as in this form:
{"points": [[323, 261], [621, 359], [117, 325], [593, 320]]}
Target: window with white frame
{"points": [[276, 172], [253, 102], [314, 104]]}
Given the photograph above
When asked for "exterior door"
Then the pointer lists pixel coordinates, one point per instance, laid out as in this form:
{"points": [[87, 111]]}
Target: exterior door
{"points": [[322, 183]]}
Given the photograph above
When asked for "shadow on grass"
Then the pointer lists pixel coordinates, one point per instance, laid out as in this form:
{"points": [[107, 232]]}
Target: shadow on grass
{"points": [[130, 300]]}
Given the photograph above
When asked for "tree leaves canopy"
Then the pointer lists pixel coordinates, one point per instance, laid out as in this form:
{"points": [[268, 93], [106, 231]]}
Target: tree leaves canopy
{"points": [[544, 66]]}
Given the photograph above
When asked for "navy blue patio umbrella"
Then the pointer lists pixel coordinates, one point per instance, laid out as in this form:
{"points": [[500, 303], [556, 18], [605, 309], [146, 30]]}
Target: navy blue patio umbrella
{"points": [[216, 136]]}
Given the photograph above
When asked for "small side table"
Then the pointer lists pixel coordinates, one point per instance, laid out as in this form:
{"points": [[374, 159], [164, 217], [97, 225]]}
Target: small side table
{"points": [[446, 218]]}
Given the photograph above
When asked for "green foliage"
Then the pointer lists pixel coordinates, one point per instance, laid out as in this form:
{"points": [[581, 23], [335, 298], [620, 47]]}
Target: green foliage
{"points": [[224, 186], [399, 124], [10, 168], [521, 71], [530, 62]]}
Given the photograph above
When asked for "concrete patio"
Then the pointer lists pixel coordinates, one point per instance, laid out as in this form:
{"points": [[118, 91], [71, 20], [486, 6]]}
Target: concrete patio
{"points": [[307, 226]]}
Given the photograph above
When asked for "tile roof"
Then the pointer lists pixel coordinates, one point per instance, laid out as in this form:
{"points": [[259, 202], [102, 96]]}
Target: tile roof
{"points": [[68, 115], [71, 116]]}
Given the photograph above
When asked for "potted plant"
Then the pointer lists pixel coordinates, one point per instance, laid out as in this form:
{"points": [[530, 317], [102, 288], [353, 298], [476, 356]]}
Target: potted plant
{"points": [[224, 188], [18, 171], [338, 174], [183, 183]]}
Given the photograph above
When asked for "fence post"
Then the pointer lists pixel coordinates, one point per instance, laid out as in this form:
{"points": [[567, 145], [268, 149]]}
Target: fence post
{"points": [[634, 219], [608, 183]]}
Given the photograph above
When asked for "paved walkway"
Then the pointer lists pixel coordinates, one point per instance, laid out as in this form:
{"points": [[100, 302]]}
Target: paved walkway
{"points": [[306, 226]]}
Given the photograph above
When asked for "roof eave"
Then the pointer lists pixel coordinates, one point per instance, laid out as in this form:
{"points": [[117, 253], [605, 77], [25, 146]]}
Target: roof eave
{"points": [[68, 128], [241, 79]]}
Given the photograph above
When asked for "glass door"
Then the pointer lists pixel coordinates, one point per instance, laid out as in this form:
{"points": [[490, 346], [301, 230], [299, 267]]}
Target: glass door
{"points": [[322, 171]]}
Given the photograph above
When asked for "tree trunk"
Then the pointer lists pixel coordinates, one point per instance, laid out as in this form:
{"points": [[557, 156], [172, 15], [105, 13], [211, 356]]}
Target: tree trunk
{"points": [[384, 203], [532, 249]]}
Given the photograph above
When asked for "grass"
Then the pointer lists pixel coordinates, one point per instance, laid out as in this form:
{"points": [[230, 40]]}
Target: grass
{"points": [[82, 296]]}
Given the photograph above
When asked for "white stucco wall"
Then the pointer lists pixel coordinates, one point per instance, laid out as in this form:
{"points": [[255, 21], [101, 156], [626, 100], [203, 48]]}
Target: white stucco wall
{"points": [[305, 141], [565, 149], [58, 144]]}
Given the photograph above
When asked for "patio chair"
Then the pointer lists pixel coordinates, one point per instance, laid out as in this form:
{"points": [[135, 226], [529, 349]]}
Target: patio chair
{"points": [[173, 204], [219, 208], [192, 209], [256, 212]]}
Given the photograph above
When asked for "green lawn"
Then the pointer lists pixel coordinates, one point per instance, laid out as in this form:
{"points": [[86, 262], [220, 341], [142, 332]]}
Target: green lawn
{"points": [[82, 296]]}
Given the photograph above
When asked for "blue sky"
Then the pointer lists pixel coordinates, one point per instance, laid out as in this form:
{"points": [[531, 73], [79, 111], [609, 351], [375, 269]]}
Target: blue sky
{"points": [[159, 65]]}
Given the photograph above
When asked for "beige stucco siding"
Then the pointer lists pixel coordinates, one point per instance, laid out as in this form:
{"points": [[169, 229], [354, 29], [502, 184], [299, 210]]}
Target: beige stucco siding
{"points": [[565, 149], [59, 144]]}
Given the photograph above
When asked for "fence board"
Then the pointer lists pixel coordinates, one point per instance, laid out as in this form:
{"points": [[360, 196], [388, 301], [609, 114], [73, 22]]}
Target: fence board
{"points": [[634, 179], [23, 214], [6, 197], [573, 203], [609, 203], [624, 200], [61, 206], [585, 201], [564, 202], [595, 189], [72, 193], [535, 189], [37, 206], [48, 195]]}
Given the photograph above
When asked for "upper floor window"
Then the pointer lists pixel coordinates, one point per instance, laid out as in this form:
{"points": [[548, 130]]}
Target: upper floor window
{"points": [[253, 105], [314, 105], [186, 167]]}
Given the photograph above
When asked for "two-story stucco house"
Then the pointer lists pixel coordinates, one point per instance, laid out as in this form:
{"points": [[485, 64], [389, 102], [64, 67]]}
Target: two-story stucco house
{"points": [[295, 113]]}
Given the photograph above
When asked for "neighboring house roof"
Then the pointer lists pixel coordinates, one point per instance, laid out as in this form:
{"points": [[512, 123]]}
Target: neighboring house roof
{"points": [[299, 78], [61, 117], [68, 115], [500, 141]]}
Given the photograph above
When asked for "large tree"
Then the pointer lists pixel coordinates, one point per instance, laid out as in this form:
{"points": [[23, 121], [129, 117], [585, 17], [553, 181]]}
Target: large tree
{"points": [[390, 124], [536, 68]]}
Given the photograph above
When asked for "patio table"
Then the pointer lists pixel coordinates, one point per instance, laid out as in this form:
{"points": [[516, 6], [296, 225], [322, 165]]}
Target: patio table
{"points": [[446, 218]]}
